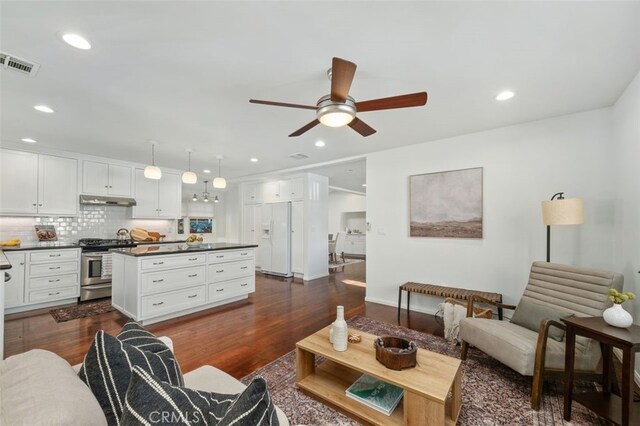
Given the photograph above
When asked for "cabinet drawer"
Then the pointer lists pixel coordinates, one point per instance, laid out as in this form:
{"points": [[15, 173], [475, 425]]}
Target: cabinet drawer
{"points": [[173, 261], [53, 281], [173, 301], [49, 255], [226, 271], [226, 256], [155, 282], [231, 288], [53, 268], [54, 294]]}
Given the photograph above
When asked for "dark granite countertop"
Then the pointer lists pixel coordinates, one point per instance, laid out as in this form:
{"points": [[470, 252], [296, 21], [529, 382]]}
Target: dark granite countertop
{"points": [[4, 262], [159, 249], [160, 242], [42, 246]]}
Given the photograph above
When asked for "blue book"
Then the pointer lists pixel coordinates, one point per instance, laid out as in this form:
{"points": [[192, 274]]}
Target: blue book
{"points": [[375, 393]]}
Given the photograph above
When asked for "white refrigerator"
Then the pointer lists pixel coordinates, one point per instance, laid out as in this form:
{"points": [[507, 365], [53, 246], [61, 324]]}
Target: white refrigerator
{"points": [[275, 239]]}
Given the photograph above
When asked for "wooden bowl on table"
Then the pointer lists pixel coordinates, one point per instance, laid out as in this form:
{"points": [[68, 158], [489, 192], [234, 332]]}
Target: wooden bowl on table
{"points": [[395, 353]]}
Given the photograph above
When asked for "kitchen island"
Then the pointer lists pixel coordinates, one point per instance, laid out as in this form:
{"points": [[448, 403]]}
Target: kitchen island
{"points": [[153, 283]]}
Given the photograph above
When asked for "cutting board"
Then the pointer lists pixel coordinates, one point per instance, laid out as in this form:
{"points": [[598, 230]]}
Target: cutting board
{"points": [[139, 234]]}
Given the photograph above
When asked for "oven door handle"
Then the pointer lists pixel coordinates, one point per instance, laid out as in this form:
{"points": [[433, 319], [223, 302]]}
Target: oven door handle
{"points": [[96, 286]]}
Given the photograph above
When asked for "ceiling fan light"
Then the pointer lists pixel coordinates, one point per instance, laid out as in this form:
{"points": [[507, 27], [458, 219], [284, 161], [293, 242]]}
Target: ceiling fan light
{"points": [[336, 119], [335, 114], [152, 172], [189, 177], [220, 183]]}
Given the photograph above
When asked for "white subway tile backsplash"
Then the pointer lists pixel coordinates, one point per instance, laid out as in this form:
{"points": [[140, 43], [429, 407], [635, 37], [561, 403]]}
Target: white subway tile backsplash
{"points": [[92, 222]]}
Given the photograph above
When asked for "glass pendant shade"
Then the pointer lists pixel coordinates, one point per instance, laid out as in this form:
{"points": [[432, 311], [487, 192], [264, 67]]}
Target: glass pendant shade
{"points": [[219, 183], [152, 172], [189, 177]]}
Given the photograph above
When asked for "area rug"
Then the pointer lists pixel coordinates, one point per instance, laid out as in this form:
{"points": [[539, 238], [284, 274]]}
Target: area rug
{"points": [[347, 261], [492, 394], [82, 310]]}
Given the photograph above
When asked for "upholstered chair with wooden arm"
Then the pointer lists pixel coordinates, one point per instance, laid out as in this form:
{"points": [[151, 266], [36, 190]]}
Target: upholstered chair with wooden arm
{"points": [[533, 341]]}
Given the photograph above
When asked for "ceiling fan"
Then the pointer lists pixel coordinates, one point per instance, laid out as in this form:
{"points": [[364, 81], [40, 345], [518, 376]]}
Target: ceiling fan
{"points": [[339, 109]]}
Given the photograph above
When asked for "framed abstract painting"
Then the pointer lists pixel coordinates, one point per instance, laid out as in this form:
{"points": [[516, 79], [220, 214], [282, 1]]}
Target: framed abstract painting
{"points": [[446, 204]]}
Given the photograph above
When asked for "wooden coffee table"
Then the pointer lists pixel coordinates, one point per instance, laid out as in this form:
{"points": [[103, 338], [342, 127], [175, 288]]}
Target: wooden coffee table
{"points": [[431, 389]]}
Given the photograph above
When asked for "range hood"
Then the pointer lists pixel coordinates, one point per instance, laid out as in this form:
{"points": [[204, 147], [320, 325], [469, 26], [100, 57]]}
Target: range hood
{"points": [[97, 200]]}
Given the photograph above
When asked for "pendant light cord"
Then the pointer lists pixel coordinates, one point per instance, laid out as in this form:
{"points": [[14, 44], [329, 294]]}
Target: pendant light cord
{"points": [[189, 160], [219, 167], [153, 154]]}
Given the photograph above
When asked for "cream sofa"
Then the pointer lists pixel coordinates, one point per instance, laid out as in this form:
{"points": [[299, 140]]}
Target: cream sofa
{"points": [[40, 388]]}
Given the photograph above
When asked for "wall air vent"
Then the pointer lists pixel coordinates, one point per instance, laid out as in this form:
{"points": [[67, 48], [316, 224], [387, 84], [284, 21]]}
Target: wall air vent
{"points": [[8, 61], [298, 156]]}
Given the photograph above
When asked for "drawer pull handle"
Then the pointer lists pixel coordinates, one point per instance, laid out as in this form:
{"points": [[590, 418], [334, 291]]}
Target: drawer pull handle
{"points": [[54, 294], [220, 270], [158, 281], [158, 304], [244, 285], [158, 263], [191, 297], [192, 275], [54, 267], [243, 267], [191, 259], [54, 281], [243, 254], [54, 255], [220, 256], [220, 289]]}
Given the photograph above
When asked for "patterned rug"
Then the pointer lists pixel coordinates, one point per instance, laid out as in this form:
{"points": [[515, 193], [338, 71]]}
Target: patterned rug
{"points": [[347, 261], [492, 394], [82, 310]]}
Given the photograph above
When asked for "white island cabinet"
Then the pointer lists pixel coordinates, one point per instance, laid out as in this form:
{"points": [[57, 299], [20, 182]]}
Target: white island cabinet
{"points": [[157, 282]]}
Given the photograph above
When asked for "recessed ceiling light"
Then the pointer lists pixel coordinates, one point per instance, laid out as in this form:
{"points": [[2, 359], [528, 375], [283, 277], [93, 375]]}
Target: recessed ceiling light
{"points": [[319, 144], [364, 185], [29, 140], [43, 108], [206, 171], [253, 160], [503, 96], [76, 41]]}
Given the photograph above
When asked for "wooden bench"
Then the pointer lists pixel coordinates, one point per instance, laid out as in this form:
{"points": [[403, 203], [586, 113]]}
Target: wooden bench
{"points": [[443, 291]]}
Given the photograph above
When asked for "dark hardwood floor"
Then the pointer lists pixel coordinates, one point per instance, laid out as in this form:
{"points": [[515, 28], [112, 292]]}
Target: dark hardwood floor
{"points": [[238, 338]]}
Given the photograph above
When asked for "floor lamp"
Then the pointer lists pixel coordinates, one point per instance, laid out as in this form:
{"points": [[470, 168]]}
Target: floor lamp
{"points": [[561, 211]]}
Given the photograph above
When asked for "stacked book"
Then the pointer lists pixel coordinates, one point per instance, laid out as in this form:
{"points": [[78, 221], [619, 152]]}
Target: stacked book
{"points": [[375, 393]]}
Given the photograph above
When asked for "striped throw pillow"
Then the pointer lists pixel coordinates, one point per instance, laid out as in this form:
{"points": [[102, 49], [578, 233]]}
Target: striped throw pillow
{"points": [[151, 401], [107, 371], [135, 335]]}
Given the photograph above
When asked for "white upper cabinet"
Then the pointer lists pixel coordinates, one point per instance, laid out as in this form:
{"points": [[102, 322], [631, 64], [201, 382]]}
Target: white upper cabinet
{"points": [[37, 184], [252, 193], [276, 191], [106, 179], [157, 198], [296, 187]]}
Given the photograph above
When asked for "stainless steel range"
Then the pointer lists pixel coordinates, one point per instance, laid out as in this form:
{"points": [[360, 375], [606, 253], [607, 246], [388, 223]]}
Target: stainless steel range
{"points": [[95, 269]]}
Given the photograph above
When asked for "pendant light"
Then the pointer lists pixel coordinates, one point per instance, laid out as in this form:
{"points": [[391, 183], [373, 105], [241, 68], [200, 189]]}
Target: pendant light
{"points": [[195, 198], [152, 171], [189, 176], [219, 182], [205, 194], [215, 199]]}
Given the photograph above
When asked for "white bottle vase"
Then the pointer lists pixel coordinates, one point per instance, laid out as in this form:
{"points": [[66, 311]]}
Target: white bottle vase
{"points": [[617, 316], [340, 331]]}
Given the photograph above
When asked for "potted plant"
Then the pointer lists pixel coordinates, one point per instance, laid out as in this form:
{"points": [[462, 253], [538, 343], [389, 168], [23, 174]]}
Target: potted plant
{"points": [[616, 315]]}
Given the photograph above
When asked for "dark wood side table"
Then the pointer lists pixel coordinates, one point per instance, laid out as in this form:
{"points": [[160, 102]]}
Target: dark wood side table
{"points": [[619, 410]]}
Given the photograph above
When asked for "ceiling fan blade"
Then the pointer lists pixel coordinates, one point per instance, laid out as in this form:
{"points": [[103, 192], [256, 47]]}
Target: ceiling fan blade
{"points": [[305, 128], [282, 104], [342, 73], [402, 101], [361, 127]]}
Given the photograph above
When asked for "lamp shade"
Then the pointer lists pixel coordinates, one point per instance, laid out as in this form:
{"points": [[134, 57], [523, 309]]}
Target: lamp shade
{"points": [[566, 211], [189, 177], [219, 183], [152, 172]]}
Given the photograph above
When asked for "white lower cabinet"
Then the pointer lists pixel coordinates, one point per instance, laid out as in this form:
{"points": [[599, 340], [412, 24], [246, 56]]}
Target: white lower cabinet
{"points": [[154, 288], [42, 278]]}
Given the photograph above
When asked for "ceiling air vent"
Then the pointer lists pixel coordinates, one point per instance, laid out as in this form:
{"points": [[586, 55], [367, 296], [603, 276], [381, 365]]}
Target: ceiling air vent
{"points": [[8, 61], [298, 156]]}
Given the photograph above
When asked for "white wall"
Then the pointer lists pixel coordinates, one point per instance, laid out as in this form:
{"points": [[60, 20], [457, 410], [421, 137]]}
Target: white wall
{"points": [[626, 145], [232, 214], [523, 165], [340, 202]]}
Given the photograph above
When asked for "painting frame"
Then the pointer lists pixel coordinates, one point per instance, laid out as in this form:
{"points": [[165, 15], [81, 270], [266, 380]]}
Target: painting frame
{"points": [[201, 225], [447, 204]]}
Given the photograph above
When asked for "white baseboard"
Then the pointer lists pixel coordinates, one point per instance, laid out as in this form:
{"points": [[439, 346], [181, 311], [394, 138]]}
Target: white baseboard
{"points": [[395, 305]]}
